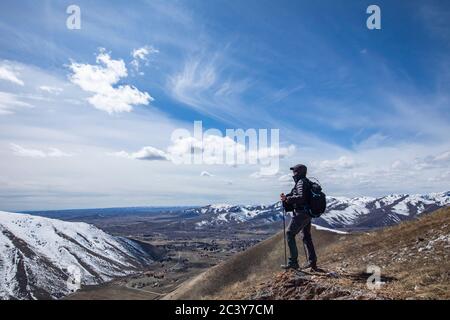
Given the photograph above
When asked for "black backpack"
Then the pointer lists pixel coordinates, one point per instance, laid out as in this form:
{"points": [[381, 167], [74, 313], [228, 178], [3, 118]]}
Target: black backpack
{"points": [[317, 201]]}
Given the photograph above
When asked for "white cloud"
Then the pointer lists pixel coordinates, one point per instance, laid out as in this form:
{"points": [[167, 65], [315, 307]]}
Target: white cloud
{"points": [[397, 164], [336, 164], [206, 174], [285, 178], [51, 90], [100, 80], [9, 73], [56, 153], [445, 156], [31, 153], [36, 153], [270, 152], [216, 149], [374, 141], [441, 160], [211, 150], [262, 175], [141, 55], [9, 102], [146, 153]]}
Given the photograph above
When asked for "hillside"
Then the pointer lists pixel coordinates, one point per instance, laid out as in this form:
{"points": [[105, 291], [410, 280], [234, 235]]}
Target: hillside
{"points": [[255, 264], [38, 255], [413, 257]]}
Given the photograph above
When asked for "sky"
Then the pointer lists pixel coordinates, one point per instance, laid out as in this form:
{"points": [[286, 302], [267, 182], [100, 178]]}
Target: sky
{"points": [[87, 115]]}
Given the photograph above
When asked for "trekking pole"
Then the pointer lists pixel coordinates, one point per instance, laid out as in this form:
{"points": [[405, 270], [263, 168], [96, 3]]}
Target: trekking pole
{"points": [[306, 255], [284, 234]]}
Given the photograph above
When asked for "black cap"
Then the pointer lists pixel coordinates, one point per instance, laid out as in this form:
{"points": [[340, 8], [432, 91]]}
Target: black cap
{"points": [[300, 169]]}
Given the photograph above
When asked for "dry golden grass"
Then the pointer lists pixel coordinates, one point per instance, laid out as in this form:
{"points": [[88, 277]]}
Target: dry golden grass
{"points": [[415, 253], [413, 257]]}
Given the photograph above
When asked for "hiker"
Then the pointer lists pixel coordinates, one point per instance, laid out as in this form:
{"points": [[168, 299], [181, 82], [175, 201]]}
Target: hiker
{"points": [[297, 202]]}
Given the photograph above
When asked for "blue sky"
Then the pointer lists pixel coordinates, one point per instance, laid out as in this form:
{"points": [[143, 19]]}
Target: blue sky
{"points": [[367, 110]]}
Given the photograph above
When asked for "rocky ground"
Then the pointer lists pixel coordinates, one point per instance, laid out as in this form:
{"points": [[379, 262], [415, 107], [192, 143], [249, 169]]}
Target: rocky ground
{"points": [[412, 258], [298, 285]]}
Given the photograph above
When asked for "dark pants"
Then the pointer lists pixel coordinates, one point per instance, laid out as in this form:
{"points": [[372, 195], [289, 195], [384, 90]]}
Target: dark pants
{"points": [[300, 222]]}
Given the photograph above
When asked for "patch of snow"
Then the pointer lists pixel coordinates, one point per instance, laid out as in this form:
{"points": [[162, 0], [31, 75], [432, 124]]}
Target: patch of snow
{"points": [[328, 229]]}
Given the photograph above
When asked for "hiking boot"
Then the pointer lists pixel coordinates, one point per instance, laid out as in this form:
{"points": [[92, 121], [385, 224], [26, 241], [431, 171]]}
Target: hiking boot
{"points": [[310, 265], [288, 266]]}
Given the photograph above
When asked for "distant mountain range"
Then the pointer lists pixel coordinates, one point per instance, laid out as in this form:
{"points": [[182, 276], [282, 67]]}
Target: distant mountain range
{"points": [[41, 258], [342, 213], [99, 213]]}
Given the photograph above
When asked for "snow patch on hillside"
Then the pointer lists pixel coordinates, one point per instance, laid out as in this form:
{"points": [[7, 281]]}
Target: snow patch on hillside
{"points": [[328, 229]]}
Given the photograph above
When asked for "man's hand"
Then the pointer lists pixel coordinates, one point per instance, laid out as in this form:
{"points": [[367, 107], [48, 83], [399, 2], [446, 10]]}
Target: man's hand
{"points": [[283, 197]]}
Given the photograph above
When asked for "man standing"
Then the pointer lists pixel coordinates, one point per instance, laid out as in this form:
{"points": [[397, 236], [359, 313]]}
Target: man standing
{"points": [[301, 220]]}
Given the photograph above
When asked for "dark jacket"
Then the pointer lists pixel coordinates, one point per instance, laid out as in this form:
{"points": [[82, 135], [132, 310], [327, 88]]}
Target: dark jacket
{"points": [[298, 197]]}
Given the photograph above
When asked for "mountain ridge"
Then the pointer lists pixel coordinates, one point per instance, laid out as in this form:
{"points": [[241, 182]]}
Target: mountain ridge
{"points": [[342, 212], [40, 256]]}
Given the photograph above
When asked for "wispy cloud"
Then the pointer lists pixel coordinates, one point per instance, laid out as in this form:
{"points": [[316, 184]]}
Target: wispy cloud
{"points": [[9, 102], [435, 18], [36, 153], [203, 84], [8, 73], [282, 94], [51, 90], [193, 81]]}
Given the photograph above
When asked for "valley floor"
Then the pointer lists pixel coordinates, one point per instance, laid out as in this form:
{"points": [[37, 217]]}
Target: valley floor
{"points": [[188, 254]]}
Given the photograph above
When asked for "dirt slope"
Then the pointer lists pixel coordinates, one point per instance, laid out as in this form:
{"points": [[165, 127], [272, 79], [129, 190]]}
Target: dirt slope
{"points": [[413, 258]]}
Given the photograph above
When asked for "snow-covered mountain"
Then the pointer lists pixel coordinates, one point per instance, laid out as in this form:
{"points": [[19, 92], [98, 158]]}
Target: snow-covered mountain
{"points": [[349, 213], [223, 213], [43, 258], [366, 212]]}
